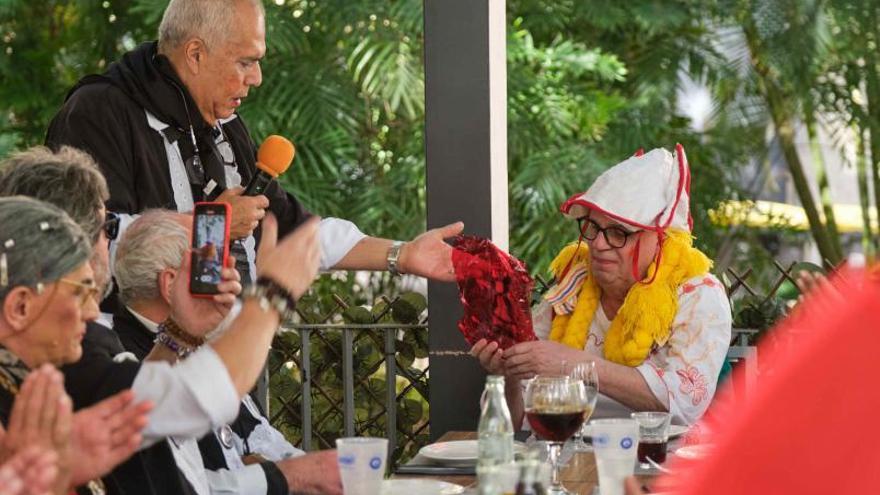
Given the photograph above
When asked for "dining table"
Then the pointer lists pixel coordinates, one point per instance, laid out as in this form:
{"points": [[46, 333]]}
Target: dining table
{"points": [[579, 475]]}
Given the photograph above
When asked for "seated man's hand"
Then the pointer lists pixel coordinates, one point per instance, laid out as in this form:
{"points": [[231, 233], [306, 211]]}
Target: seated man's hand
{"points": [[313, 473], [429, 256], [491, 356], [106, 434], [31, 471], [247, 211], [292, 262], [541, 357], [199, 315]]}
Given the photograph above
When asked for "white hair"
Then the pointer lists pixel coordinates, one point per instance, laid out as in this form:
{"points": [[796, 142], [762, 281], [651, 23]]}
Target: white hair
{"points": [[152, 243], [210, 20]]}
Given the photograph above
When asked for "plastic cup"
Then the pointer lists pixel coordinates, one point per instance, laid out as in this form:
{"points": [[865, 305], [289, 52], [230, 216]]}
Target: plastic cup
{"points": [[615, 442], [361, 464], [653, 436]]}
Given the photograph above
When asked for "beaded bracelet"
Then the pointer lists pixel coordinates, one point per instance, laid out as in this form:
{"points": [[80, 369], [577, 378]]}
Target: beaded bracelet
{"points": [[176, 347], [271, 295]]}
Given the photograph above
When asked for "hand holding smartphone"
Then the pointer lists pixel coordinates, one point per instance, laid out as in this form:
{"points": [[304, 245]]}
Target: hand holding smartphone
{"points": [[210, 247]]}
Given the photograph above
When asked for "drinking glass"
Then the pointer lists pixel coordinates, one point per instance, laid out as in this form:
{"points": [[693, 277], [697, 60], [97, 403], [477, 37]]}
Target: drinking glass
{"points": [[653, 436], [586, 372], [555, 407]]}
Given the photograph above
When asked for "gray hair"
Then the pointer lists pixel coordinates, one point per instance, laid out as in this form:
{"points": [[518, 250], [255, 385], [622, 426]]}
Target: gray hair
{"points": [[39, 244], [68, 178], [210, 20], [152, 243]]}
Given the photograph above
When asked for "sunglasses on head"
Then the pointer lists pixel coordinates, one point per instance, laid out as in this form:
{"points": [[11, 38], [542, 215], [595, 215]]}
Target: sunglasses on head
{"points": [[110, 227]]}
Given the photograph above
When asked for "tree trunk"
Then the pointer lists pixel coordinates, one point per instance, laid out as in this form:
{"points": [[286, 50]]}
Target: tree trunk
{"points": [[822, 180], [864, 200], [873, 118], [783, 119]]}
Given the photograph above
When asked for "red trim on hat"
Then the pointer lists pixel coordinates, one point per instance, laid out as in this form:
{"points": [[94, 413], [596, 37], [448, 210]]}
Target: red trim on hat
{"points": [[566, 207], [683, 177], [659, 256], [635, 259], [679, 150]]}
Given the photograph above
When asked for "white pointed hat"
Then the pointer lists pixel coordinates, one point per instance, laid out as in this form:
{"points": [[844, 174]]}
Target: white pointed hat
{"points": [[649, 191]]}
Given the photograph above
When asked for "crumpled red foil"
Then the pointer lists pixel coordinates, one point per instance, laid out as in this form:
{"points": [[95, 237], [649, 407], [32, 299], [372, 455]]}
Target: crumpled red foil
{"points": [[495, 289]]}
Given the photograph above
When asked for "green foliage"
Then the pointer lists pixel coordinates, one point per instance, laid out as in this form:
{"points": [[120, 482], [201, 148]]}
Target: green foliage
{"points": [[370, 387]]}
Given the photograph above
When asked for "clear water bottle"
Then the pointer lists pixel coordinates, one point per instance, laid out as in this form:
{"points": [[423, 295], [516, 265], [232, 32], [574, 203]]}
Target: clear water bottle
{"points": [[495, 435]]}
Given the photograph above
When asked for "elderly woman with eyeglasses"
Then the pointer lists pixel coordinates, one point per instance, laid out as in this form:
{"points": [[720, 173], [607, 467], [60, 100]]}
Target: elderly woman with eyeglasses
{"points": [[631, 295], [47, 294]]}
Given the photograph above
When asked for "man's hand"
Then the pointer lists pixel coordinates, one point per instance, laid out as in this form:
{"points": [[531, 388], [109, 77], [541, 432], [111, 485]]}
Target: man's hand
{"points": [[292, 262], [313, 473], [31, 471], [429, 256], [541, 357], [200, 315], [491, 356], [247, 211], [106, 434]]}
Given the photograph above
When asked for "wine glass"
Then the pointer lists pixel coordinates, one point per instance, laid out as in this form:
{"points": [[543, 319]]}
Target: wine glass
{"points": [[586, 372], [555, 407]]}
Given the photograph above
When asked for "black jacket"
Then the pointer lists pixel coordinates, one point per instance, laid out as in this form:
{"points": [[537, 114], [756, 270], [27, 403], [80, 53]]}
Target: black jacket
{"points": [[138, 340], [96, 376], [104, 115]]}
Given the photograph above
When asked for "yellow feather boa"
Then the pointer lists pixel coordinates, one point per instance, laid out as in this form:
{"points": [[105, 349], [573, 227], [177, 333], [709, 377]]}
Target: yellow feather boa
{"points": [[647, 313]]}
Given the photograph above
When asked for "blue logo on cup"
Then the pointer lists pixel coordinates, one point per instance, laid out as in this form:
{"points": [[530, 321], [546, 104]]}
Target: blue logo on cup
{"points": [[601, 440], [626, 442], [346, 460], [375, 463]]}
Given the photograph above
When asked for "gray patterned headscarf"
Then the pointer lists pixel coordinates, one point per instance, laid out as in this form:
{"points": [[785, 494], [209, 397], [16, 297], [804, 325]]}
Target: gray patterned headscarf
{"points": [[39, 244]]}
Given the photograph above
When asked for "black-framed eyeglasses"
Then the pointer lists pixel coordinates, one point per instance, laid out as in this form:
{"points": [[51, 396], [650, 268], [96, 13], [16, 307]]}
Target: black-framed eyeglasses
{"points": [[111, 226], [615, 236]]}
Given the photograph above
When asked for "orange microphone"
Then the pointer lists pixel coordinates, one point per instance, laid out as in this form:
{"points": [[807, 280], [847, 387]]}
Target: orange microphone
{"points": [[273, 159]]}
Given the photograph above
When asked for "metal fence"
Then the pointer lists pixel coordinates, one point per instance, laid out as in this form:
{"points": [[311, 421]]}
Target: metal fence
{"points": [[330, 379], [365, 373]]}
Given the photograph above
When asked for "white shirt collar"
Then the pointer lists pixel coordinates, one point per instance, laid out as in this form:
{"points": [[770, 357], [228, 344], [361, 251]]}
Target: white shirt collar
{"points": [[151, 325]]}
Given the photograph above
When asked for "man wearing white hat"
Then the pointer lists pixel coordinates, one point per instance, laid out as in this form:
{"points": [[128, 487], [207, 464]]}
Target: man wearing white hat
{"points": [[632, 295]]}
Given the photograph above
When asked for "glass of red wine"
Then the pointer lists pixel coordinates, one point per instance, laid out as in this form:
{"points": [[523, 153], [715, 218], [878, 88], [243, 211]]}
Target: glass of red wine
{"points": [[555, 407]]}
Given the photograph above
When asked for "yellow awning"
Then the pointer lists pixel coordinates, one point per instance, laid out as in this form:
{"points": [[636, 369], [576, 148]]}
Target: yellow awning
{"points": [[769, 214]]}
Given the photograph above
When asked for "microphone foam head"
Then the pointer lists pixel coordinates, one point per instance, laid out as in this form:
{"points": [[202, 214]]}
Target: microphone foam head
{"points": [[275, 155]]}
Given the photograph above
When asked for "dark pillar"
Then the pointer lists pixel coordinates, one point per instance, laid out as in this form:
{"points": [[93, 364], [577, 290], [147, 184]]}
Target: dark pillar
{"points": [[466, 149]]}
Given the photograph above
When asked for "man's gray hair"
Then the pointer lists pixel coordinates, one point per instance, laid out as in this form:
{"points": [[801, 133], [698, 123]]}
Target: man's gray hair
{"points": [[152, 243], [39, 244], [210, 20], [67, 178]]}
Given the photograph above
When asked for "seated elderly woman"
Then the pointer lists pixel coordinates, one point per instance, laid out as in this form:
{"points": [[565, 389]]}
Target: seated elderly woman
{"points": [[48, 293], [632, 295]]}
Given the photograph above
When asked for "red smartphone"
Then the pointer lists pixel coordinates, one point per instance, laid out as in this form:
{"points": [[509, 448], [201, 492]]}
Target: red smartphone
{"points": [[210, 247]]}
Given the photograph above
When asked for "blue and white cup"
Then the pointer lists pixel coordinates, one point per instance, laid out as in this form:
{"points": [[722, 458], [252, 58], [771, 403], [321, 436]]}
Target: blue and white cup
{"points": [[361, 464], [615, 444]]}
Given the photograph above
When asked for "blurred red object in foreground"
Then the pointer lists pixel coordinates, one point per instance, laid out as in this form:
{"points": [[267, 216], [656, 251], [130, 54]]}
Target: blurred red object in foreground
{"points": [[495, 290], [809, 427]]}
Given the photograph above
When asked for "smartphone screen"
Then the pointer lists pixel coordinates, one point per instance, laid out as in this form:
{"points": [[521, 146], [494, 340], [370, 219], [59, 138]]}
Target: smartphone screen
{"points": [[210, 246]]}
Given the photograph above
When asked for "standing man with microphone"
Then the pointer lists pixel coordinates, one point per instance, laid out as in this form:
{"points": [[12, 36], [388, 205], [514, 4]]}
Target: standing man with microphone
{"points": [[162, 124]]}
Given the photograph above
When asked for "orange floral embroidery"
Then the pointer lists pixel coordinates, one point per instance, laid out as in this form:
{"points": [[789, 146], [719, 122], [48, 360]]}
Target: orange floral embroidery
{"points": [[693, 383]]}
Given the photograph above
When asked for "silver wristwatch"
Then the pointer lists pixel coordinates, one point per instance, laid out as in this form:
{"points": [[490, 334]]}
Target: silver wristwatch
{"points": [[394, 257]]}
